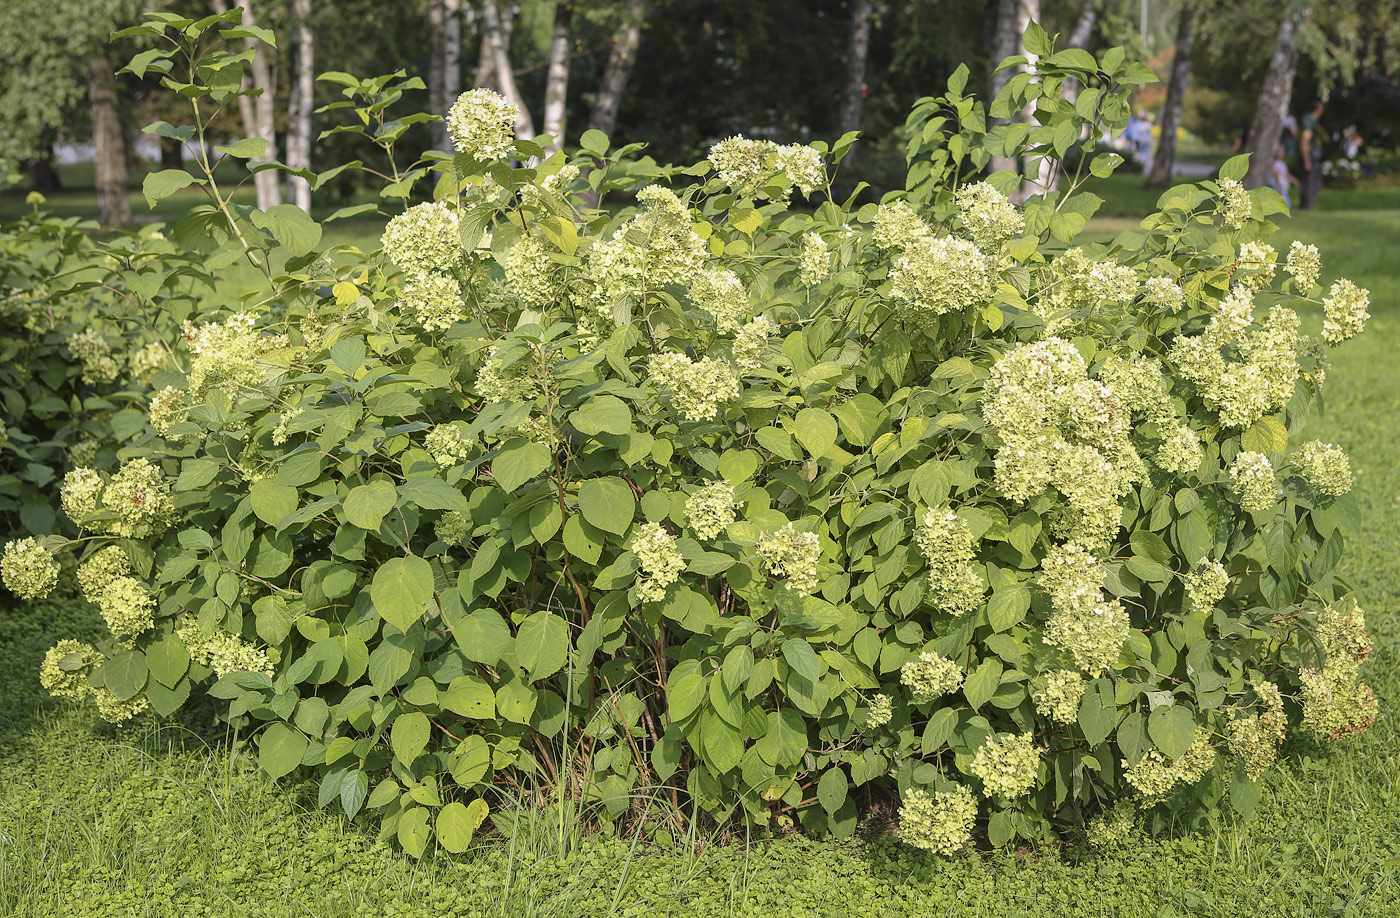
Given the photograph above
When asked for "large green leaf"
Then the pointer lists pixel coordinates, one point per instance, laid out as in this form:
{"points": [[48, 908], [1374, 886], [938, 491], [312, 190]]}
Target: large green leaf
{"points": [[271, 501], [409, 736], [602, 414], [280, 749], [402, 589], [456, 824], [542, 644], [815, 430], [607, 503], [366, 506], [518, 462]]}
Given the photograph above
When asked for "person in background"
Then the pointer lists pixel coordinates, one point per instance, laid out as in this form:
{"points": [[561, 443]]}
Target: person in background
{"points": [[1310, 146], [1351, 141], [1289, 138], [1280, 178]]}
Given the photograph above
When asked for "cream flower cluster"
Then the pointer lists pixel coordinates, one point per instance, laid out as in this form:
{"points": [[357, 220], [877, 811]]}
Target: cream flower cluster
{"points": [[1162, 292], [1112, 827], [167, 409], [659, 559], [750, 166], [1206, 585], [65, 670], [1325, 467], [498, 383], [1335, 702], [930, 676], [1059, 696], [749, 344], [127, 606], [1155, 776], [791, 554], [1006, 764], [95, 354], [222, 652], [1344, 311], [482, 124], [1255, 265], [941, 821], [710, 510], [1305, 264], [227, 355], [988, 216], [814, 263], [698, 387], [881, 711], [719, 292], [932, 275], [453, 527], [28, 569], [99, 569], [955, 582], [1253, 481], [448, 444], [147, 359], [655, 248], [1254, 738], [1232, 203], [424, 239], [531, 275], [140, 498], [1082, 623], [433, 301], [1075, 282]]}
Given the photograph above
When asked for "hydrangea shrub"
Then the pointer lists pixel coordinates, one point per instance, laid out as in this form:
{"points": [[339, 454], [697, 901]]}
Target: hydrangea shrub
{"points": [[772, 509]]}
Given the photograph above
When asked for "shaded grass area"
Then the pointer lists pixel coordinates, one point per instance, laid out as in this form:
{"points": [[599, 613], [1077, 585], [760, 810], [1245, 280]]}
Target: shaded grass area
{"points": [[158, 821]]}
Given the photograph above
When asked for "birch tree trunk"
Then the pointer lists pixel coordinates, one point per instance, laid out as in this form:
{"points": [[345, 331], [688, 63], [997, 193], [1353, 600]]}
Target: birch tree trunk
{"points": [[556, 86], [451, 64], [1006, 41], [301, 105], [496, 42], [1046, 177], [259, 112], [857, 53], [619, 68], [113, 201], [1079, 38], [1274, 97], [1165, 160], [437, 47]]}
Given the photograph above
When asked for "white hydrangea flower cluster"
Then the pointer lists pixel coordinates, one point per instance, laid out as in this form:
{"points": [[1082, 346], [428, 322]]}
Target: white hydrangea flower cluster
{"points": [[1232, 203], [1253, 481], [1325, 467], [1335, 702], [749, 344], [655, 248], [659, 559], [167, 409], [140, 498], [1075, 282], [1083, 623], [1154, 776], [932, 275], [531, 275], [1255, 265], [65, 670], [1254, 738], [880, 712], [1113, 827], [424, 239], [791, 554], [1266, 372], [482, 124], [222, 652], [116, 711], [930, 676], [28, 569], [448, 444], [698, 387], [955, 582], [81, 494], [1162, 292], [710, 510], [146, 360], [433, 301], [95, 354], [1206, 585], [453, 527], [719, 292], [814, 263], [1344, 311], [748, 166], [498, 383], [1007, 765], [1305, 264], [1140, 384], [1060, 429], [941, 821], [1058, 695], [99, 569], [227, 355], [127, 606], [988, 216]]}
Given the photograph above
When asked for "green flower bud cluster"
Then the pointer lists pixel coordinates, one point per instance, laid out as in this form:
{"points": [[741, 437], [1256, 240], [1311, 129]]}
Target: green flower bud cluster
{"points": [[1344, 311], [1082, 623], [28, 569], [532, 277], [1155, 776], [1335, 702], [1325, 467], [814, 263], [1058, 695], [955, 583], [710, 510], [100, 568], [659, 559], [1252, 479], [719, 292], [127, 606], [930, 676], [81, 494], [95, 354], [988, 216], [1305, 264], [652, 250], [941, 821], [881, 711], [496, 382], [482, 124], [1007, 765], [65, 670], [1232, 203], [791, 554], [140, 498], [448, 444], [1206, 585], [222, 652], [1112, 828], [698, 387], [453, 527], [167, 409], [751, 341], [1255, 737]]}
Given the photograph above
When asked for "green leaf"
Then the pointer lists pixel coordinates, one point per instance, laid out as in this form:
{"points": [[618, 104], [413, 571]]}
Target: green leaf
{"points": [[982, 682], [542, 644], [290, 226], [1007, 606], [831, 790], [168, 659], [802, 658], [409, 736], [246, 148], [272, 619], [434, 494], [159, 185], [1266, 435], [815, 430], [685, 689], [607, 503], [271, 501], [518, 462], [401, 589], [413, 831], [124, 674], [469, 696], [1236, 167], [1172, 728], [367, 505], [1104, 164], [280, 749], [605, 414], [482, 636], [1097, 714], [456, 824]]}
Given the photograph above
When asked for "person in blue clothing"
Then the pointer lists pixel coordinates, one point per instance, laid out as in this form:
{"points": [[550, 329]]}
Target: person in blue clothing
{"points": [[1310, 146]]}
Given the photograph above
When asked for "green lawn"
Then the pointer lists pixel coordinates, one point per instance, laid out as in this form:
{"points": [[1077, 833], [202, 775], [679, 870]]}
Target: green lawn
{"points": [[176, 820]]}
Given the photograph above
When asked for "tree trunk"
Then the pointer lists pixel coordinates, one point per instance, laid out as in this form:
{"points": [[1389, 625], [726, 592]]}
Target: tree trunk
{"points": [[1006, 42], [172, 153], [1274, 97], [1165, 159], [258, 112], [1079, 38], [556, 84], [451, 65], [1046, 177], [43, 176], [857, 52], [113, 200], [301, 105], [619, 68], [496, 42], [438, 103]]}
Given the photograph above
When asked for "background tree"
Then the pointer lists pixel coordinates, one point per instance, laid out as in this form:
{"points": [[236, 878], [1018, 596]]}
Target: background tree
{"points": [[1164, 161]]}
